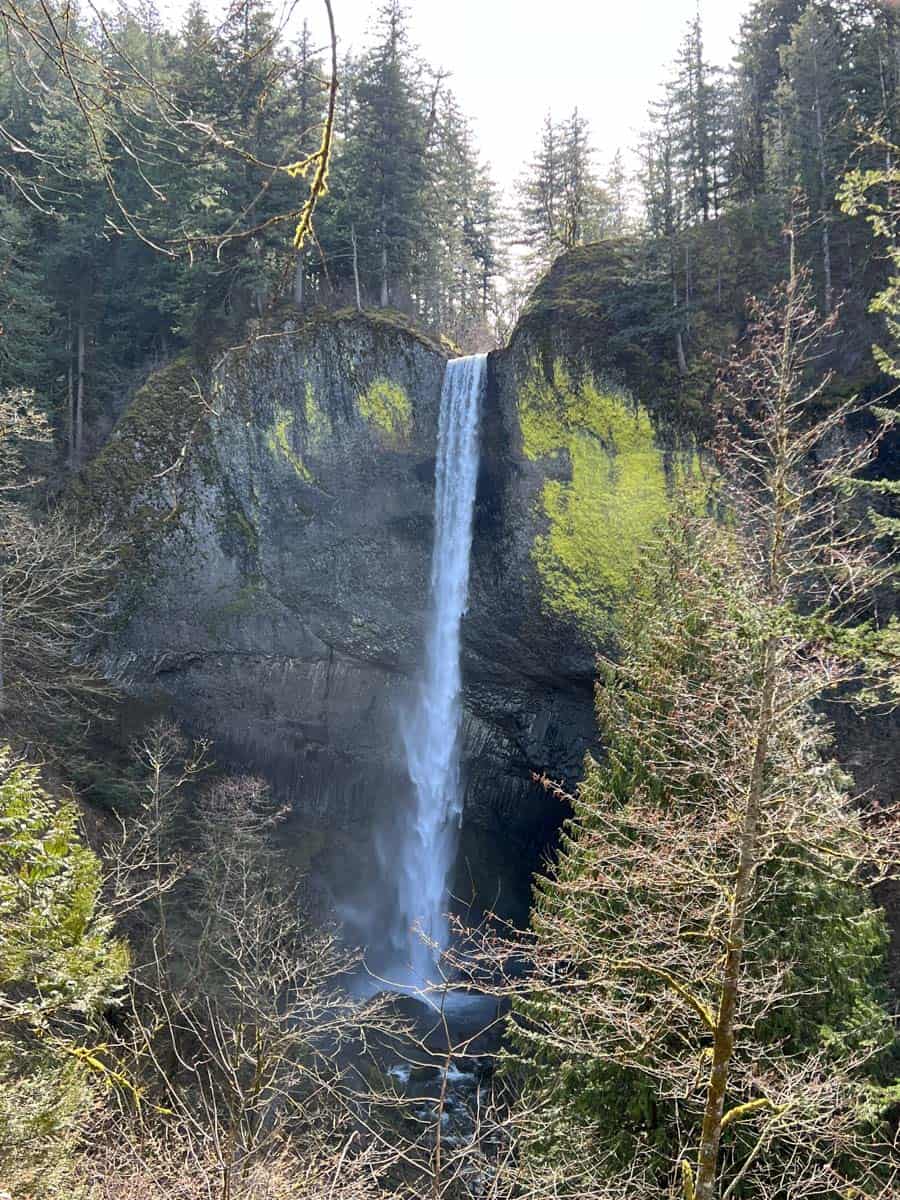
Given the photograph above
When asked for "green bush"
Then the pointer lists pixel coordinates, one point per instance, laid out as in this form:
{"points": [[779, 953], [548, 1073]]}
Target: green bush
{"points": [[61, 970]]}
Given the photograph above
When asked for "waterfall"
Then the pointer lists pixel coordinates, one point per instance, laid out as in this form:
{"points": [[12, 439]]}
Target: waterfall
{"points": [[431, 732]]}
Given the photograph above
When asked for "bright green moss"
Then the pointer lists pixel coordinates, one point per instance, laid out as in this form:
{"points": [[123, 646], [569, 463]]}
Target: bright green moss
{"points": [[386, 406], [280, 442], [619, 490]]}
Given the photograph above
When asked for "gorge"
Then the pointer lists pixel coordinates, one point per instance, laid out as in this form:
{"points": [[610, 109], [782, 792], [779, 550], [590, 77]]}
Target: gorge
{"points": [[278, 593], [278, 596]]}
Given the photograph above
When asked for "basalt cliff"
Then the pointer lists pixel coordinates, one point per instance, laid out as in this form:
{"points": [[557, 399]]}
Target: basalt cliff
{"points": [[277, 515]]}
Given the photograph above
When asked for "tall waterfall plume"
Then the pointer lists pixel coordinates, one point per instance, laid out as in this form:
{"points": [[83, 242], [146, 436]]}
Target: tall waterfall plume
{"points": [[432, 731]]}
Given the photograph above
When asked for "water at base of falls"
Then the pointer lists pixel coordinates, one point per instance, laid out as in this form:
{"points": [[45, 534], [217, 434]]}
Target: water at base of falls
{"points": [[431, 730]]}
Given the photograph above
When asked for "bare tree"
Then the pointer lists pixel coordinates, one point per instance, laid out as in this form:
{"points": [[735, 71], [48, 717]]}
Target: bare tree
{"points": [[55, 577], [53, 58]]}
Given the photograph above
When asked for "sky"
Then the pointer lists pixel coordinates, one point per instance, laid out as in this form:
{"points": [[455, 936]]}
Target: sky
{"points": [[511, 60]]}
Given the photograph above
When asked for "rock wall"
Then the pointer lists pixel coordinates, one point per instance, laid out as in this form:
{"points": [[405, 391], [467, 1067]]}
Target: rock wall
{"points": [[279, 524]]}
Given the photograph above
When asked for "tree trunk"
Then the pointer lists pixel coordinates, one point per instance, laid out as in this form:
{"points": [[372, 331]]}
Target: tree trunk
{"points": [[78, 443], [298, 279], [385, 292], [679, 350], [742, 896], [824, 213], [70, 390], [679, 340], [687, 273], [826, 264], [355, 268], [2, 676], [723, 1041]]}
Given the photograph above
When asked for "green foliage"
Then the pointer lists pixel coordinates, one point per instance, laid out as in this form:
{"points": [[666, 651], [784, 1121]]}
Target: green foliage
{"points": [[611, 1060], [386, 406], [60, 970], [617, 491], [871, 193], [24, 306], [561, 202]]}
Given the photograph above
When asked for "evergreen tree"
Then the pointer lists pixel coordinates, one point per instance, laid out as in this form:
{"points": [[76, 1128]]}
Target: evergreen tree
{"points": [[307, 107], [814, 102], [613, 1050], [692, 98], [561, 204], [540, 199], [382, 162], [698, 1013], [618, 218], [583, 207], [764, 31], [61, 971], [664, 208], [25, 310]]}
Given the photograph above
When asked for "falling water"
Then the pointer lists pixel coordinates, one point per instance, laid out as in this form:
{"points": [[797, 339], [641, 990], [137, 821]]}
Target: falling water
{"points": [[432, 731]]}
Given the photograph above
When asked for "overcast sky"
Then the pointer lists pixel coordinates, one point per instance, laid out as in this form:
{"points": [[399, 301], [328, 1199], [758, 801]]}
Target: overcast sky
{"points": [[512, 60]]}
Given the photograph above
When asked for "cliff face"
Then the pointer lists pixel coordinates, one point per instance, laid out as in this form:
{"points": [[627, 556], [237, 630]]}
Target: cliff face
{"points": [[276, 599], [576, 471], [280, 548]]}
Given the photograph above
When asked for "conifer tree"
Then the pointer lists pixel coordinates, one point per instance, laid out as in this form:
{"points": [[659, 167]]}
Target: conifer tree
{"points": [[383, 160], [540, 198], [764, 31], [583, 203], [61, 972], [664, 208], [615, 184], [306, 82], [814, 106], [25, 309]]}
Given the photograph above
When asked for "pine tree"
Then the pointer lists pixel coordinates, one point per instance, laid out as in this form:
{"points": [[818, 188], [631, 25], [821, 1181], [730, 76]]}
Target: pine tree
{"points": [[664, 208], [584, 205], [254, 70], [763, 32], [618, 218], [709, 916], [613, 1051], [25, 310], [307, 85], [540, 199], [691, 96], [813, 100], [382, 162]]}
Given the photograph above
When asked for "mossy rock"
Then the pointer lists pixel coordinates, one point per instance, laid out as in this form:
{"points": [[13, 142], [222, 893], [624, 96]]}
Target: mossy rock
{"points": [[132, 483], [601, 308], [286, 319], [607, 495], [386, 406]]}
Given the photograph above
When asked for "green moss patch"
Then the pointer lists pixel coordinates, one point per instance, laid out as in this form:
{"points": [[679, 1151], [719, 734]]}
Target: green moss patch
{"points": [[619, 490], [386, 406], [280, 440]]}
